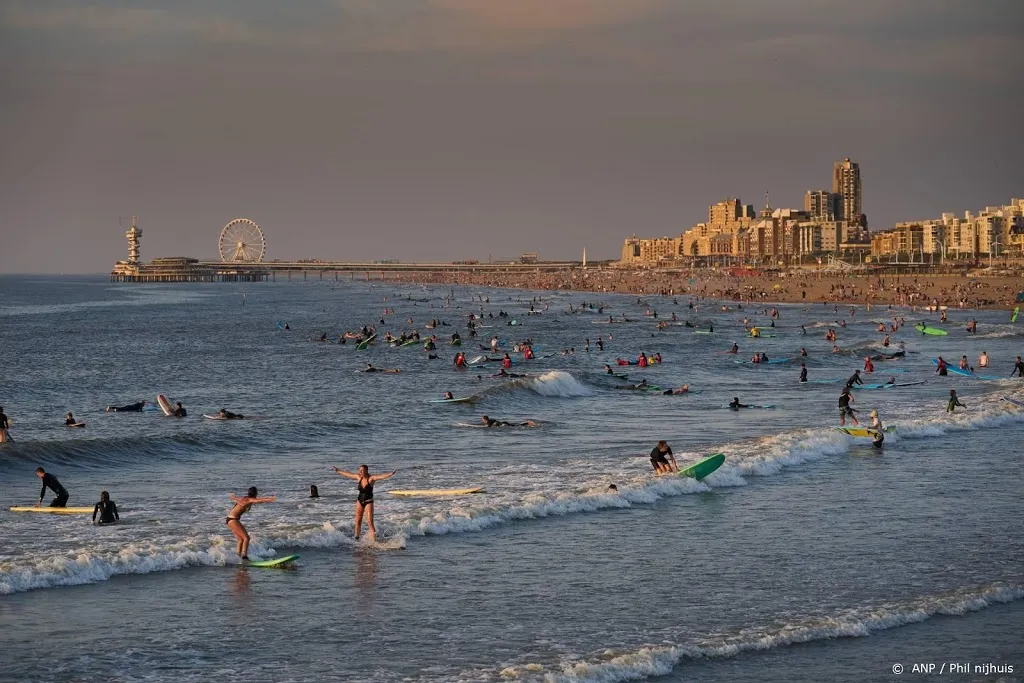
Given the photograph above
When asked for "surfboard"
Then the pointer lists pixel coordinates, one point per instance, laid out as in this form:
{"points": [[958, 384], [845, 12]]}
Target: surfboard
{"points": [[859, 431], [409, 343], [770, 405], [217, 417], [703, 468], [455, 342], [361, 346], [965, 373], [872, 386], [931, 330], [703, 332], [78, 425], [761, 335], [436, 492], [1014, 401], [165, 405], [1013, 318], [274, 562], [451, 400], [52, 511]]}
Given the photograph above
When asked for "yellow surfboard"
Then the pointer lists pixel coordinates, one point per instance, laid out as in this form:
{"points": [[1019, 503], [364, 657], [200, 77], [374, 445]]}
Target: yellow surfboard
{"points": [[52, 511], [436, 492], [859, 431]]}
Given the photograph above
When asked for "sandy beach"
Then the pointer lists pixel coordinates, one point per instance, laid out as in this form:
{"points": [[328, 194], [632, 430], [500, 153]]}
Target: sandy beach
{"points": [[963, 290]]}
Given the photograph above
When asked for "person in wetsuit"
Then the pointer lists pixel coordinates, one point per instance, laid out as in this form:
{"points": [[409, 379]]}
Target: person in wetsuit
{"points": [[489, 422], [803, 372], [70, 420], [954, 402], [234, 520], [228, 415], [1018, 368], [50, 482], [662, 459], [131, 408], [5, 424], [844, 407], [180, 411], [854, 379], [735, 404], [106, 509], [364, 501]]}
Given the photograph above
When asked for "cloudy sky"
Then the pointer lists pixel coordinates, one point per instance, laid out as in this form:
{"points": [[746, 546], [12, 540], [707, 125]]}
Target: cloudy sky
{"points": [[460, 129]]}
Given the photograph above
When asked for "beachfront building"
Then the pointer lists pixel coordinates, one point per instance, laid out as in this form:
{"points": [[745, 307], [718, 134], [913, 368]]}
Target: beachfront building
{"points": [[641, 251], [820, 204], [848, 191], [996, 230]]}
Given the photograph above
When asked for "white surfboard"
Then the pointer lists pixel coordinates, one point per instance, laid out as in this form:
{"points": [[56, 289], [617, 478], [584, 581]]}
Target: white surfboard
{"points": [[165, 405]]}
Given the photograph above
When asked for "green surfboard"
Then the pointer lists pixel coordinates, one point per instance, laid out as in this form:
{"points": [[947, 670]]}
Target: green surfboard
{"points": [[704, 467], [366, 342], [931, 330], [273, 562], [1016, 311]]}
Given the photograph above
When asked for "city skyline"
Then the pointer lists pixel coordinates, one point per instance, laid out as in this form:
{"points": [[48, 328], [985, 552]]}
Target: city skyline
{"points": [[447, 130]]}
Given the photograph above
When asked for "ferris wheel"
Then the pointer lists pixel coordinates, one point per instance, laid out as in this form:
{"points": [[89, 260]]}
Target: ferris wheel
{"points": [[242, 241]]}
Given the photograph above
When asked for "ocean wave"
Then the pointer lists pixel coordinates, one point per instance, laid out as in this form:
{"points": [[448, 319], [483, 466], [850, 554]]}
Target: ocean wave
{"points": [[611, 666]]}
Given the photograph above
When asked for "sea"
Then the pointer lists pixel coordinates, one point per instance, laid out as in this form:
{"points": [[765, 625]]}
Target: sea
{"points": [[809, 555]]}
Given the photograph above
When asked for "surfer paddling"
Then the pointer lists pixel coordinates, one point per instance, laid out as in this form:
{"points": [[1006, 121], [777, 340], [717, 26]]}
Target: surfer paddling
{"points": [[50, 482], [234, 520], [491, 422], [131, 408], [364, 501]]}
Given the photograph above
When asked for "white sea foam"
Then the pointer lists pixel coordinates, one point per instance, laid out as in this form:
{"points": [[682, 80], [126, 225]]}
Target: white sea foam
{"points": [[558, 384], [612, 666]]}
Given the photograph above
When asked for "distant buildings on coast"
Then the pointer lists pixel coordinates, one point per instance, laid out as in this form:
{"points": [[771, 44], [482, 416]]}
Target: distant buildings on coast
{"points": [[831, 225]]}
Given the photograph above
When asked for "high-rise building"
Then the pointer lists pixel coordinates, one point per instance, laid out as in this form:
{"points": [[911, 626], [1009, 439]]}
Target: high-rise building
{"points": [[849, 193], [820, 204]]}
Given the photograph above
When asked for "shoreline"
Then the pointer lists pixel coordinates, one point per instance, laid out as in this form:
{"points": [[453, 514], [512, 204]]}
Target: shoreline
{"points": [[983, 292]]}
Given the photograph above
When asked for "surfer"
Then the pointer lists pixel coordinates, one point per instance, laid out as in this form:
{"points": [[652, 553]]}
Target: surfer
{"points": [[489, 422], [803, 372], [608, 369], [1018, 368], [845, 399], [940, 367], [868, 365], [854, 379], [662, 459], [448, 396], [954, 402], [70, 421], [983, 360], [234, 520], [735, 348], [50, 482], [678, 390], [131, 408], [876, 424], [314, 492], [364, 501], [5, 424], [225, 414], [735, 404], [179, 411], [106, 509], [964, 365]]}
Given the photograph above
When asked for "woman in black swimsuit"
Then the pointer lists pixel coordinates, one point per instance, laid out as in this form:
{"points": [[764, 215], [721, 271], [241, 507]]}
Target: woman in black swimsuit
{"points": [[234, 520], [364, 501]]}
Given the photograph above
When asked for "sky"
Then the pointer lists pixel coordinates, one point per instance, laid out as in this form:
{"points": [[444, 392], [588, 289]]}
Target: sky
{"points": [[438, 130]]}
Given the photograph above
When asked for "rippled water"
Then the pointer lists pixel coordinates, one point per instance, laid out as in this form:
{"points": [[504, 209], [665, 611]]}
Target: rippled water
{"points": [[771, 569]]}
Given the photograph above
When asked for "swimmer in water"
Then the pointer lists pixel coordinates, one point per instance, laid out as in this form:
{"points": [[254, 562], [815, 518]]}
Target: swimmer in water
{"points": [[106, 509], [234, 520]]}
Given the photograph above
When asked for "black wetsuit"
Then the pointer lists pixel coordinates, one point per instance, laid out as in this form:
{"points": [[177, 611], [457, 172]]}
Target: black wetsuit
{"points": [[61, 493], [1018, 368], [803, 374], [854, 379], [365, 493], [659, 458], [497, 423], [228, 415], [4, 424], [107, 511], [180, 412], [133, 408]]}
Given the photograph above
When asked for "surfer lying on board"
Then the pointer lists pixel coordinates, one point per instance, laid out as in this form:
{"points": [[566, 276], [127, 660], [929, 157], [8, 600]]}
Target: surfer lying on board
{"points": [[50, 482], [106, 509], [132, 408], [234, 520], [488, 422], [364, 501], [371, 368], [735, 404], [678, 390], [662, 459], [448, 396], [505, 373]]}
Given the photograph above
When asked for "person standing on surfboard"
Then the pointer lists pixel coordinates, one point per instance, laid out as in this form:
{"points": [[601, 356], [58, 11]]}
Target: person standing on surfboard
{"points": [[50, 482], [364, 501], [662, 459], [234, 520]]}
